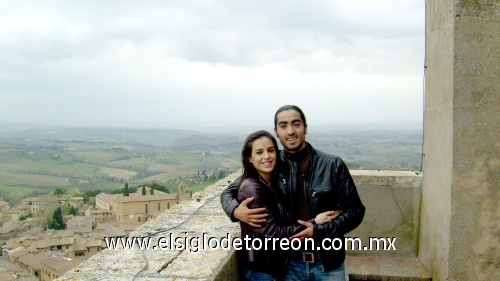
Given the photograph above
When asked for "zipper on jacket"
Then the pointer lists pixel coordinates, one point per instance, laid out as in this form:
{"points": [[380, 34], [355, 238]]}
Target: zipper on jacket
{"points": [[307, 199], [290, 189], [307, 175]]}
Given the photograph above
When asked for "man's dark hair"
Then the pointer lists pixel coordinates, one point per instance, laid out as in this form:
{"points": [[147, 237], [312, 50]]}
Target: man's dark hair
{"points": [[288, 107]]}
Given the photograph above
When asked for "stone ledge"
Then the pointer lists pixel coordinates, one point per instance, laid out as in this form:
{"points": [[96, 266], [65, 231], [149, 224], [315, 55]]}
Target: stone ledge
{"points": [[385, 269], [387, 178], [188, 219]]}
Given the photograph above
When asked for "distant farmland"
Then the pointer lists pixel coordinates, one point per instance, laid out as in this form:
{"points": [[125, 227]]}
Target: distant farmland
{"points": [[36, 161]]}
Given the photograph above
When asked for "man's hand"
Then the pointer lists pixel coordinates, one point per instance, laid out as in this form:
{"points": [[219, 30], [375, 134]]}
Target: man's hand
{"points": [[252, 217], [306, 233]]}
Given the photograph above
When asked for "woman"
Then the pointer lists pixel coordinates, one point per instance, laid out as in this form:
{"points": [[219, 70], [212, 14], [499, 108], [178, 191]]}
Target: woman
{"points": [[265, 261]]}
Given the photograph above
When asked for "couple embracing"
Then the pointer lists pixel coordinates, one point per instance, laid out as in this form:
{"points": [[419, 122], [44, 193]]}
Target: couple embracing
{"points": [[299, 192]]}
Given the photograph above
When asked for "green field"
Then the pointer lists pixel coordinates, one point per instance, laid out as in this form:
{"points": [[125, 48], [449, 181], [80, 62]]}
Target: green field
{"points": [[35, 162], [34, 165]]}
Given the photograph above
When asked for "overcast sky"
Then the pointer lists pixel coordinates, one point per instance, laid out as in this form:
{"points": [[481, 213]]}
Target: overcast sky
{"points": [[225, 62]]}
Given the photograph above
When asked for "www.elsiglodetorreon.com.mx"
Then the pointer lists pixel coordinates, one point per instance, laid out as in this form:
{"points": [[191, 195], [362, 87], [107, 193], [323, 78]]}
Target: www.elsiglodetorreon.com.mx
{"points": [[204, 242]]}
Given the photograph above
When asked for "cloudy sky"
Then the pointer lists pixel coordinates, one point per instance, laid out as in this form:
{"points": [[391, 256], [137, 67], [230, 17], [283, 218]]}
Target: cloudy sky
{"points": [[209, 62]]}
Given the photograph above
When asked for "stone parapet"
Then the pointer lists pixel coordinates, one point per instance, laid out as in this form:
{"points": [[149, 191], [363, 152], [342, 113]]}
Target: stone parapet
{"points": [[392, 200], [202, 215]]}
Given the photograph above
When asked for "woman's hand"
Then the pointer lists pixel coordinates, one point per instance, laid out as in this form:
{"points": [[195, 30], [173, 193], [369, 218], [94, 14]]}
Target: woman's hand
{"points": [[320, 219], [326, 216]]}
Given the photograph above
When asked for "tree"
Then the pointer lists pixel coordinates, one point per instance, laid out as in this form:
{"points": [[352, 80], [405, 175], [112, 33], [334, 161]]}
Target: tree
{"points": [[91, 193], [57, 222], [60, 192], [125, 191], [70, 210], [143, 190], [151, 191]]}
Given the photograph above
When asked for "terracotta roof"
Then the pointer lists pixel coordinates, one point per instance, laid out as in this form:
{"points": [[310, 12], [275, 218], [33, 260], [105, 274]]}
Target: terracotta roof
{"points": [[80, 222], [42, 244], [7, 271], [139, 198], [33, 231], [100, 211], [12, 211], [112, 232], [61, 241], [59, 263], [31, 260], [130, 227], [23, 238], [9, 229], [94, 242], [65, 233], [17, 252], [43, 199], [80, 246], [108, 198]]}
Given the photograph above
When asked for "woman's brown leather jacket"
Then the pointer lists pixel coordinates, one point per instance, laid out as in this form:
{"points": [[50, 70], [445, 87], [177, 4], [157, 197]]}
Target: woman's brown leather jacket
{"points": [[278, 225]]}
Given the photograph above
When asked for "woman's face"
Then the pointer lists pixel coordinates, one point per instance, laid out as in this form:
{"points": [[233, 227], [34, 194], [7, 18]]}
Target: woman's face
{"points": [[263, 156]]}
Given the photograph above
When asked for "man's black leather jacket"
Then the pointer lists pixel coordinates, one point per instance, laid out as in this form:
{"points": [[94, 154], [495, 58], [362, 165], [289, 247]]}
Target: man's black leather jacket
{"points": [[329, 186]]}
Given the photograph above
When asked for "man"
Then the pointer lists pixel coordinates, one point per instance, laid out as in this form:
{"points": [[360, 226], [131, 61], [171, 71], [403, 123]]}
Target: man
{"points": [[313, 182]]}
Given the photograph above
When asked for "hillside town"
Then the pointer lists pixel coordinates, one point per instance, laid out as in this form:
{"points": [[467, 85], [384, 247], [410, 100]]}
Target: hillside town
{"points": [[30, 252]]}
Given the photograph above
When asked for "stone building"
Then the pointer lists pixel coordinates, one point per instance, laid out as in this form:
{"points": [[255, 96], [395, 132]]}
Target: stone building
{"points": [[46, 265], [12, 272], [30, 262], [105, 201], [100, 215], [4, 206], [15, 213], [9, 231], [54, 265], [38, 204], [137, 208], [76, 202], [81, 224]]}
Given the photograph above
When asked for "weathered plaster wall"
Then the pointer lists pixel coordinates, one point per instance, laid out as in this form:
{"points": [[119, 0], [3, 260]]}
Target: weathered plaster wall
{"points": [[460, 234], [475, 212], [438, 137], [392, 201]]}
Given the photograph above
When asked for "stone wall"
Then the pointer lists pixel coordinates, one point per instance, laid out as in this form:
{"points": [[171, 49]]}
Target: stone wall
{"points": [[459, 237], [392, 200], [193, 218]]}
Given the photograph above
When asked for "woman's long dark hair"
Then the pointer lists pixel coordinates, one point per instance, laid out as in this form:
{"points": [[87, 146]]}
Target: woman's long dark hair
{"points": [[249, 170]]}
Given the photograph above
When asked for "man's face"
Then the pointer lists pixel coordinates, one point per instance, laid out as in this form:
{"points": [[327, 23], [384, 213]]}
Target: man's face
{"points": [[291, 130]]}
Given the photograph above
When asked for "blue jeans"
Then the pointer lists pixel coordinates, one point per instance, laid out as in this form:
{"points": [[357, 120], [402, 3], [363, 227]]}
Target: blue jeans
{"points": [[302, 271], [249, 275]]}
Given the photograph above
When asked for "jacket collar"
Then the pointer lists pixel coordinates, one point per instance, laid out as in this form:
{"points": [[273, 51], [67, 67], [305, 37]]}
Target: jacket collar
{"points": [[296, 157]]}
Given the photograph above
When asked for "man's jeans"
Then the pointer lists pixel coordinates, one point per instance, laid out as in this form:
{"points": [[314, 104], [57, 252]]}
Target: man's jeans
{"points": [[302, 271], [249, 275]]}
